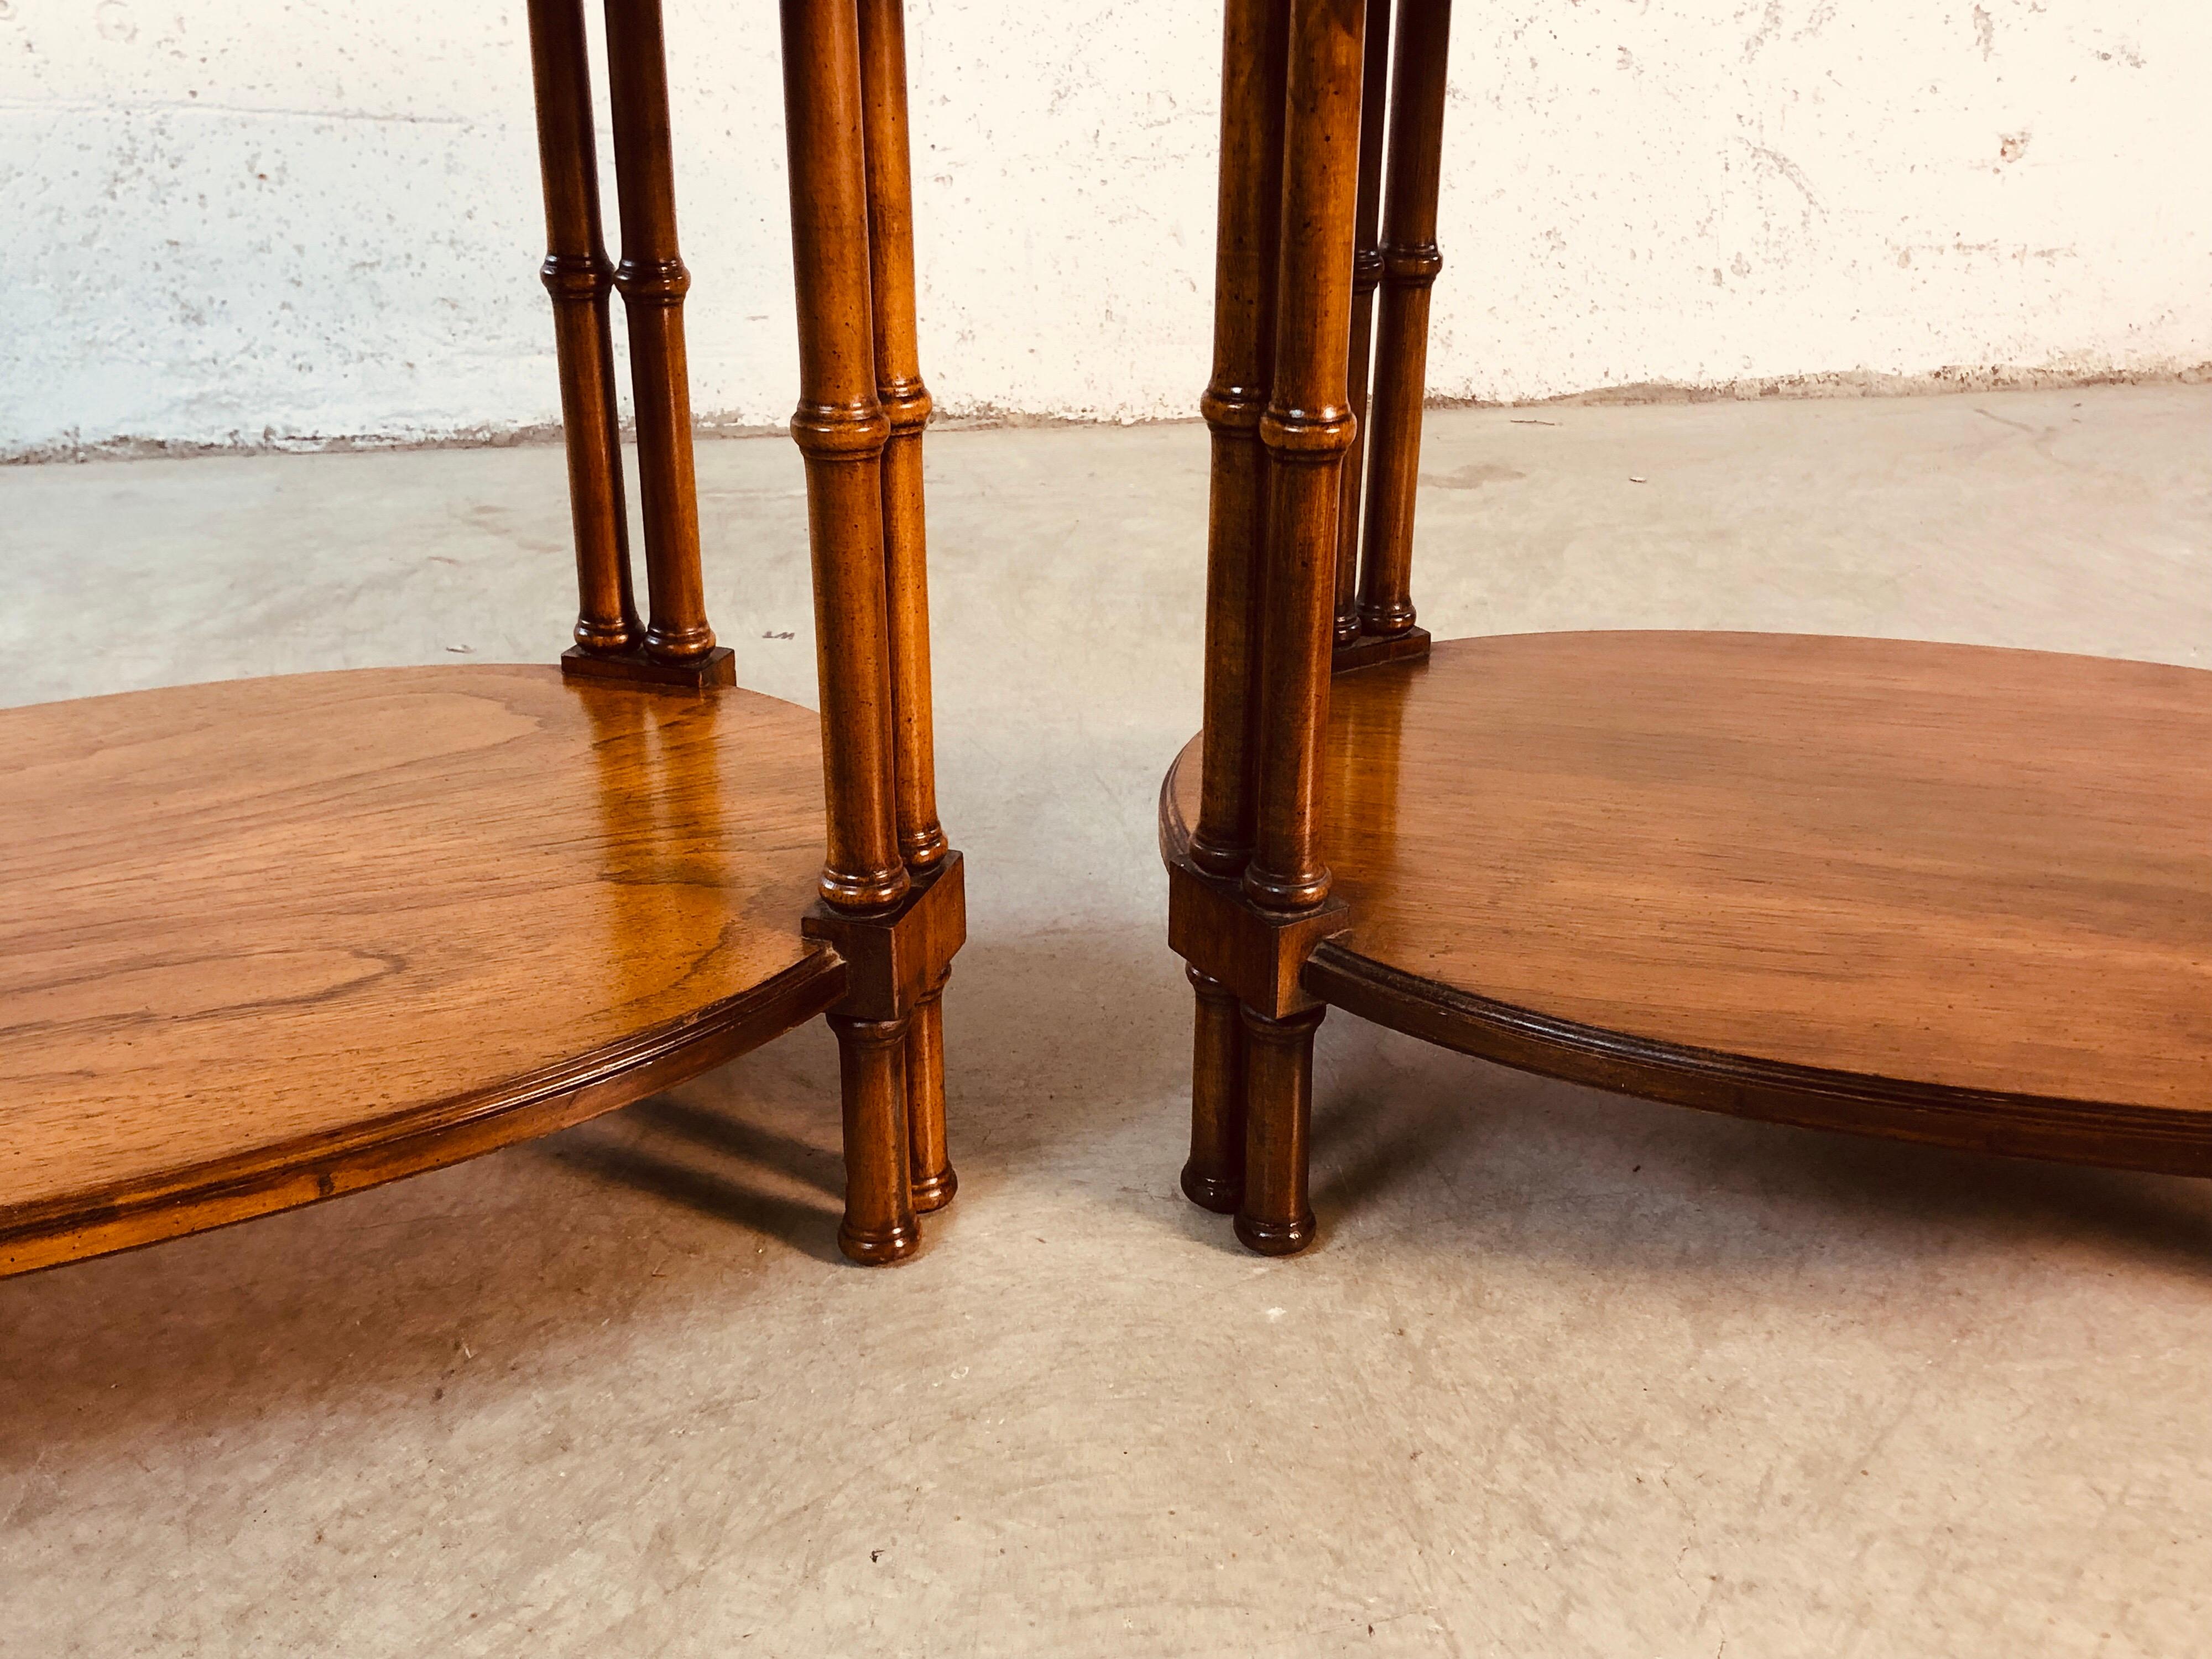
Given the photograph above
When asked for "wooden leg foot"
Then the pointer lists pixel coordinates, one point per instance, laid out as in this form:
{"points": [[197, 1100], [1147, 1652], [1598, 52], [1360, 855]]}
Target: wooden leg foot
{"points": [[1274, 1217], [930, 1160], [1213, 1179], [878, 1227]]}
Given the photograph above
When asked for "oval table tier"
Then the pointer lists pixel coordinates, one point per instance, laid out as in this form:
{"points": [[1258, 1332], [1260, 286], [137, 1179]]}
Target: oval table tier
{"points": [[1945, 893], [268, 940]]}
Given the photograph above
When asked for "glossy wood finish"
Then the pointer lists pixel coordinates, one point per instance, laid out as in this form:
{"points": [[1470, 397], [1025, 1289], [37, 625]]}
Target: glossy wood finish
{"points": [[652, 281], [327, 930], [841, 428], [579, 277], [1410, 263], [1307, 429], [1254, 57], [1366, 272], [905, 404], [1940, 893]]}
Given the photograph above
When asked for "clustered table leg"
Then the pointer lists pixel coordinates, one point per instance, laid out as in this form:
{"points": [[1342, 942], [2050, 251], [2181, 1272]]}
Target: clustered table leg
{"points": [[891, 894], [1309, 92], [652, 281], [841, 428], [1255, 894], [677, 645], [892, 897]]}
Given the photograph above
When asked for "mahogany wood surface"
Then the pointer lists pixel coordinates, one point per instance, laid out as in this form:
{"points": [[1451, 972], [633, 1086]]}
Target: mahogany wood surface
{"points": [[1943, 893], [268, 940]]}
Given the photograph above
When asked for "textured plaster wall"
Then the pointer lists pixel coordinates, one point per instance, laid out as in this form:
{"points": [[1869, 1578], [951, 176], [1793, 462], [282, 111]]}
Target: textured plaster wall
{"points": [[299, 221]]}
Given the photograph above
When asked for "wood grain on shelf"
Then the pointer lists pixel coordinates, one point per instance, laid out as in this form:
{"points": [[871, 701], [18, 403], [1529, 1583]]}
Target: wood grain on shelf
{"points": [[1943, 892], [266, 940]]}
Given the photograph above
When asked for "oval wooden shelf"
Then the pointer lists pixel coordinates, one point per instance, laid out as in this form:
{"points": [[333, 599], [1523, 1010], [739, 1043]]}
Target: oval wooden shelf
{"points": [[1943, 893], [268, 940]]}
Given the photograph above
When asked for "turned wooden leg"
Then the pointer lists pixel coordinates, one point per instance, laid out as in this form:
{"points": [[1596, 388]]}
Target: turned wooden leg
{"points": [[579, 277], [1275, 1218], [841, 428], [878, 1225], [1255, 54], [1213, 1179], [906, 402], [1366, 272], [1410, 264], [1307, 429], [935, 1179], [652, 282]]}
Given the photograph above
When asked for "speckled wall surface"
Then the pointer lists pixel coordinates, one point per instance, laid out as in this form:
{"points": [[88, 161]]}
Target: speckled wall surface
{"points": [[247, 221]]}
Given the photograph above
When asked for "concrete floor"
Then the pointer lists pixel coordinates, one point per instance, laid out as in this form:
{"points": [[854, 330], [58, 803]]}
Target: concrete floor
{"points": [[1566, 1375]]}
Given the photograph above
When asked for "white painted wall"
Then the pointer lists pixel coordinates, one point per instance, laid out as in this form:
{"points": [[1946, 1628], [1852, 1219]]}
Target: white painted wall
{"points": [[257, 221]]}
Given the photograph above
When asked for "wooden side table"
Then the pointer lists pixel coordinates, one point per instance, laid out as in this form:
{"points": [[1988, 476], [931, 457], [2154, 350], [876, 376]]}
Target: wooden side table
{"points": [[1939, 893], [265, 942]]}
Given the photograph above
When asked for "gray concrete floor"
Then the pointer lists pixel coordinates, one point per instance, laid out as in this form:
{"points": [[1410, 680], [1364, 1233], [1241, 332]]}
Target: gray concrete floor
{"points": [[1566, 1375]]}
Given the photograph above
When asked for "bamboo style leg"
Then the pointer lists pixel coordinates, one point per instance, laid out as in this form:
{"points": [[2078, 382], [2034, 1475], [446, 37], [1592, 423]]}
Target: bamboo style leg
{"points": [[840, 428], [1256, 40], [1366, 272], [1254, 57], [1213, 1179], [1307, 429], [652, 282], [878, 1227], [906, 403], [1276, 1216], [579, 277], [1410, 263]]}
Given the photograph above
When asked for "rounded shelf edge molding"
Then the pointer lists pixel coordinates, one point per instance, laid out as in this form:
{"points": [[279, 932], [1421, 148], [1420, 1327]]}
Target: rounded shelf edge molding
{"points": [[264, 942], [1950, 895]]}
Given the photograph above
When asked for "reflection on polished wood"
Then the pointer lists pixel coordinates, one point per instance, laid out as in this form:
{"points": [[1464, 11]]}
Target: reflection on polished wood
{"points": [[1942, 893], [268, 940]]}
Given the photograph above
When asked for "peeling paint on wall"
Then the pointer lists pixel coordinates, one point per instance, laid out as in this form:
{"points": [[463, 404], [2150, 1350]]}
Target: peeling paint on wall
{"points": [[260, 222]]}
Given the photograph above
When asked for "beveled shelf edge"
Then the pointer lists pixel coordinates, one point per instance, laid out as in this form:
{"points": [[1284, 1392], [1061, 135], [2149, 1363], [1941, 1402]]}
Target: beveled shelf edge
{"points": [[557, 1096], [2105, 1133]]}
